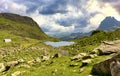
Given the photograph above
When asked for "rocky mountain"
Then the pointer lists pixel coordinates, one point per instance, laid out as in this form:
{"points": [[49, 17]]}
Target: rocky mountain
{"points": [[75, 35], [21, 26], [109, 24]]}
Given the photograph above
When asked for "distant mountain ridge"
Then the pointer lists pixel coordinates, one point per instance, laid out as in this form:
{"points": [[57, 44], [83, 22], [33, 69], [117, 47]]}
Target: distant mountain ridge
{"points": [[18, 18], [109, 24]]}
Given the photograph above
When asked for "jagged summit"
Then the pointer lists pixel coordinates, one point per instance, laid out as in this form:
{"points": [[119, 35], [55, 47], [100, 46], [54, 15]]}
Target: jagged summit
{"points": [[109, 23]]}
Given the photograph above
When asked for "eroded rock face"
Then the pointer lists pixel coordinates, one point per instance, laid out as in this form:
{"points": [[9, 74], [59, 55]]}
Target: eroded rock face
{"points": [[108, 47], [115, 68], [104, 68]]}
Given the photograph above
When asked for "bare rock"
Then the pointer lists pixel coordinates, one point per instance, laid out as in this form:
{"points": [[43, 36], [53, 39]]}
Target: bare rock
{"points": [[107, 48], [21, 60], [115, 68], [105, 67], [2, 67], [79, 56], [56, 55], [45, 57], [11, 64], [86, 62], [37, 60]]}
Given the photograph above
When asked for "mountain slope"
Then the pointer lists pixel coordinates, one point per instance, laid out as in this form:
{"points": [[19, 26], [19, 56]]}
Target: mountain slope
{"points": [[109, 24], [21, 26]]}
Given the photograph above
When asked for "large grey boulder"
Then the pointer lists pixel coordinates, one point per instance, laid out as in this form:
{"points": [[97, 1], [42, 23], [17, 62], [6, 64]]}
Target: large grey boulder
{"points": [[115, 68], [105, 68], [108, 47]]}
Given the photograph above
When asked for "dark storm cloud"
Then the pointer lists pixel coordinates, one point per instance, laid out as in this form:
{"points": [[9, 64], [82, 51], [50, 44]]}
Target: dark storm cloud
{"points": [[113, 3], [45, 7]]}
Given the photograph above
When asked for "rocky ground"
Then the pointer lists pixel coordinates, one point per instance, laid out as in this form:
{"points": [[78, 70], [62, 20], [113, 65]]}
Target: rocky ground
{"points": [[78, 64]]}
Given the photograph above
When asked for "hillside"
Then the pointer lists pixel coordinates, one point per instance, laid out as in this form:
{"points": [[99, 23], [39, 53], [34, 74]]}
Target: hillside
{"points": [[27, 55], [21, 26], [88, 43]]}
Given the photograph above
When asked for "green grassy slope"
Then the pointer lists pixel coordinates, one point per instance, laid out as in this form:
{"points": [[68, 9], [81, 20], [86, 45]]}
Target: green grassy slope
{"points": [[87, 44], [21, 26]]}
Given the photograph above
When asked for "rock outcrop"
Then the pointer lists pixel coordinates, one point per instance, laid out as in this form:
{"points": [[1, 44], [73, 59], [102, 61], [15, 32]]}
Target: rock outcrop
{"points": [[105, 68], [115, 68], [108, 47]]}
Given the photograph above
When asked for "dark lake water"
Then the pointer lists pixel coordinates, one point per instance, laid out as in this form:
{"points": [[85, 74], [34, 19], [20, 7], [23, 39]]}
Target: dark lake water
{"points": [[58, 44]]}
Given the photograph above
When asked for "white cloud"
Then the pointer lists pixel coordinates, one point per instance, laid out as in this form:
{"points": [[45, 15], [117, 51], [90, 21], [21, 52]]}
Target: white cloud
{"points": [[101, 11], [49, 23]]}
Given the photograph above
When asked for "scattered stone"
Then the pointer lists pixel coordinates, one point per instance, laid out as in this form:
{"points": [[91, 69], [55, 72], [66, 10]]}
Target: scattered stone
{"points": [[86, 62], [93, 55], [73, 64], [2, 67], [37, 60], [79, 56], [21, 61], [56, 56], [45, 58], [31, 62]]}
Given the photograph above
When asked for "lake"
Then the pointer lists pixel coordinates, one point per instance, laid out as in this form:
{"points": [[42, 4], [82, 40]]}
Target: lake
{"points": [[58, 44]]}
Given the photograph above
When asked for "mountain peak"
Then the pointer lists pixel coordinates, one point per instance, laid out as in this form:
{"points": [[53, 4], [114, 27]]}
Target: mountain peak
{"points": [[109, 23]]}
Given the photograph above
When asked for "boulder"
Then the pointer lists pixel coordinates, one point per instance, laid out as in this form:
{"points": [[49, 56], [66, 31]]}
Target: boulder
{"points": [[2, 67], [11, 64], [105, 67], [56, 56], [81, 69], [86, 57], [107, 48], [45, 57], [21, 61], [115, 68], [37, 60]]}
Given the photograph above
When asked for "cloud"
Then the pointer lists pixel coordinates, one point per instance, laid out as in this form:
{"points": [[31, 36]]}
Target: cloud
{"points": [[11, 7], [64, 16], [114, 3]]}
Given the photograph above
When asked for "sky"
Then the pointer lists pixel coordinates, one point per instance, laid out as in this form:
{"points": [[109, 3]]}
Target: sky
{"points": [[57, 17]]}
